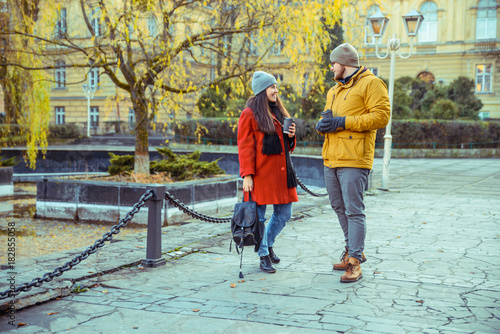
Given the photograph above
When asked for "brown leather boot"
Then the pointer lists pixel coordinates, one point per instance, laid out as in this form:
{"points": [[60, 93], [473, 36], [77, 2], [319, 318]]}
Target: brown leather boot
{"points": [[344, 260], [353, 271]]}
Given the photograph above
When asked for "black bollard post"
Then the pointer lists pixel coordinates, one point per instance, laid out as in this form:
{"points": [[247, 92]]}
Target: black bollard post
{"points": [[153, 248]]}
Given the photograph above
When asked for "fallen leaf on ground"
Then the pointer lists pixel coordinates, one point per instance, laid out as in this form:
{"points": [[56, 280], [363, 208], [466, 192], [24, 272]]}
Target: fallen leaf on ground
{"points": [[233, 285], [105, 291], [420, 301], [50, 313], [21, 324], [196, 310], [242, 281]]}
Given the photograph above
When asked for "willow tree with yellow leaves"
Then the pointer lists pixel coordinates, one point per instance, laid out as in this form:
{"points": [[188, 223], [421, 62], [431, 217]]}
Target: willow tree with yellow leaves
{"points": [[24, 84], [160, 52]]}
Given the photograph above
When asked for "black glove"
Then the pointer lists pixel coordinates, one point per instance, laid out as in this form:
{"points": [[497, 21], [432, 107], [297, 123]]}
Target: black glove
{"points": [[330, 124]]}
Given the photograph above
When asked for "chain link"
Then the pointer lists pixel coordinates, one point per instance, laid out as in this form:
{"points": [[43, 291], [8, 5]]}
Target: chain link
{"points": [[49, 276], [303, 186], [181, 206]]}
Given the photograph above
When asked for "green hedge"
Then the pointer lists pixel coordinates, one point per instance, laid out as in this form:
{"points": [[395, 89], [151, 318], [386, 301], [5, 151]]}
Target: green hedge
{"points": [[405, 133], [69, 130], [11, 134], [443, 134]]}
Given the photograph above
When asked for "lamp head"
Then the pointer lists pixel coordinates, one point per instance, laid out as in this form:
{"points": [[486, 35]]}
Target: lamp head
{"points": [[378, 23], [412, 22]]}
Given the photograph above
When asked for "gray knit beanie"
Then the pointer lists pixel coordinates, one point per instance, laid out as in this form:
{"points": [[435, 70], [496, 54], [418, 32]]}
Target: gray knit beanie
{"points": [[261, 81], [345, 54]]}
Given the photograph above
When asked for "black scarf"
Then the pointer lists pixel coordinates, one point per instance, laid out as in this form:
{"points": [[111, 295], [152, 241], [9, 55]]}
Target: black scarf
{"points": [[272, 145]]}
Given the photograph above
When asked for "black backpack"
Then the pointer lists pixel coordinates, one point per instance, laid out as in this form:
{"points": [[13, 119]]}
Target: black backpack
{"points": [[246, 228]]}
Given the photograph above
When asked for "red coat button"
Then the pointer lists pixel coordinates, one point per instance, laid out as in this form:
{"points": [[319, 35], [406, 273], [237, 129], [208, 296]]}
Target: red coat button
{"points": [[282, 168]]}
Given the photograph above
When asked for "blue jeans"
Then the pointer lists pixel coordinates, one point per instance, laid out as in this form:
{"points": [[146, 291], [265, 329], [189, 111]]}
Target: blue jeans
{"points": [[282, 213], [346, 188]]}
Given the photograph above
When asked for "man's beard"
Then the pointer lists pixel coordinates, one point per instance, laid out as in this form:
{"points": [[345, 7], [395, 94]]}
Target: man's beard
{"points": [[340, 75]]}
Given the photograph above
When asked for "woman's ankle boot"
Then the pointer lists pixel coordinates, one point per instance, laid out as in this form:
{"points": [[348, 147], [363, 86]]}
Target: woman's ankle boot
{"points": [[273, 256], [266, 265]]}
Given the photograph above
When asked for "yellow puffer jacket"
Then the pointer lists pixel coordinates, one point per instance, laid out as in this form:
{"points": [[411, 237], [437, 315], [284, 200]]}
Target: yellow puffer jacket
{"points": [[365, 103]]}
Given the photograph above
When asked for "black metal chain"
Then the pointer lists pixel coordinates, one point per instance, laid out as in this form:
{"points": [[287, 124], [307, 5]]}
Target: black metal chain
{"points": [[181, 206], [49, 276], [303, 186]]}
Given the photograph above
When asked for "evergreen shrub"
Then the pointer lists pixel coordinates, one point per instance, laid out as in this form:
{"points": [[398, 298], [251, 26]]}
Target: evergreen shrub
{"points": [[177, 167]]}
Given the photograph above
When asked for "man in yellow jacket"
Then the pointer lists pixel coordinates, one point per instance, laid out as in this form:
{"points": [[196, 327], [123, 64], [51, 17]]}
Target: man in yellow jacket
{"points": [[355, 108]]}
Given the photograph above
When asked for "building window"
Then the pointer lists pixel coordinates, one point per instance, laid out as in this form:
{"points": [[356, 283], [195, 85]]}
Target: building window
{"points": [[484, 115], [152, 26], [252, 47], [60, 115], [94, 117], [225, 44], [483, 78], [368, 31], [131, 118], [428, 27], [93, 76], [3, 6], [486, 23], [279, 46], [60, 74], [374, 70], [61, 27], [95, 21], [427, 77]]}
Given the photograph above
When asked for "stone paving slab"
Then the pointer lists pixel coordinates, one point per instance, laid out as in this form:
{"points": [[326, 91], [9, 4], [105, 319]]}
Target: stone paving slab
{"points": [[433, 267]]}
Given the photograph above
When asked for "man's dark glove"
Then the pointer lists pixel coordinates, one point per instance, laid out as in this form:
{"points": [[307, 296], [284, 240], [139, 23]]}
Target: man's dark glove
{"points": [[330, 124]]}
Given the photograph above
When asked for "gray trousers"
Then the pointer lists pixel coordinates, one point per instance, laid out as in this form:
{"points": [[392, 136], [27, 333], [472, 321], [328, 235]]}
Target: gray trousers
{"points": [[346, 188]]}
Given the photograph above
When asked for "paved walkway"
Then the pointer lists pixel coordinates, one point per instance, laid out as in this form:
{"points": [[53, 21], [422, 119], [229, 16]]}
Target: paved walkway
{"points": [[433, 267]]}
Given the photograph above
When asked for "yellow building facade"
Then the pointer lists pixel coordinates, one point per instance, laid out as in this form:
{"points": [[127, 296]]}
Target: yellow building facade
{"points": [[456, 38], [109, 108]]}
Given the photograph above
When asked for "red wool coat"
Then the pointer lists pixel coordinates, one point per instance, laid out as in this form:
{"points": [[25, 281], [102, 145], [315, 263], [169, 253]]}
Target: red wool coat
{"points": [[269, 171]]}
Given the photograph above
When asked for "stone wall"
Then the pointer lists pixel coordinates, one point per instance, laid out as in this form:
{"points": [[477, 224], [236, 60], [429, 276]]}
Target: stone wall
{"points": [[111, 201], [6, 184]]}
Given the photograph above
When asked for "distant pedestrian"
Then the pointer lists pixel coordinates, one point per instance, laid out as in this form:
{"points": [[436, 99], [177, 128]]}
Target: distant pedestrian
{"points": [[265, 165], [355, 108]]}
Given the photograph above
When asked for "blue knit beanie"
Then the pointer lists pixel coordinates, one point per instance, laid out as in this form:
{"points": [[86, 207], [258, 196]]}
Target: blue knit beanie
{"points": [[261, 81]]}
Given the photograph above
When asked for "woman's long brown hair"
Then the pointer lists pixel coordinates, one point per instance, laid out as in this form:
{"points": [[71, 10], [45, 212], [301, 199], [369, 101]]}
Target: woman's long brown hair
{"points": [[262, 113]]}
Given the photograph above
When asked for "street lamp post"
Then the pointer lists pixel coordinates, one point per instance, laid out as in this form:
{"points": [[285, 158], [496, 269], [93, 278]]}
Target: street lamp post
{"points": [[378, 24], [89, 91]]}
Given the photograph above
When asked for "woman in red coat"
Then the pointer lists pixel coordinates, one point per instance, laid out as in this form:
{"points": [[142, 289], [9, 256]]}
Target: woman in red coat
{"points": [[265, 165]]}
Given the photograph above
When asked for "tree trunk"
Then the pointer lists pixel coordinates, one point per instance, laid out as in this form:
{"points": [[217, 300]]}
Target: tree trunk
{"points": [[141, 158]]}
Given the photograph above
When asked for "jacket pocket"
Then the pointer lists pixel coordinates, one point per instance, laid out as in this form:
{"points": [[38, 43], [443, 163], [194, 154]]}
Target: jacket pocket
{"points": [[351, 145]]}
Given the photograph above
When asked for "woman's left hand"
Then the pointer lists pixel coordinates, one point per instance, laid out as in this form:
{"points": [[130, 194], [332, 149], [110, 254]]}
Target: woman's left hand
{"points": [[292, 130]]}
